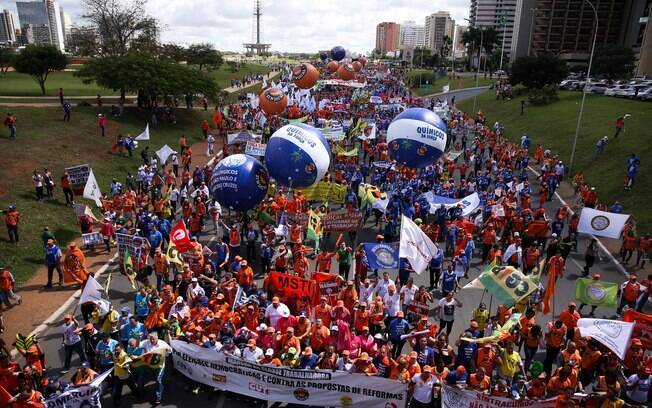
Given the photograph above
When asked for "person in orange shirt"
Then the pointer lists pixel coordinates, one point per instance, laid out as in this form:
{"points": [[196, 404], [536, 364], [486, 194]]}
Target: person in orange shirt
{"points": [[413, 365], [486, 359], [27, 398], [289, 340], [634, 357], [554, 341], [319, 335], [479, 381], [361, 317], [349, 295], [323, 312], [561, 384], [536, 388], [556, 264], [569, 317], [245, 275], [323, 261]]}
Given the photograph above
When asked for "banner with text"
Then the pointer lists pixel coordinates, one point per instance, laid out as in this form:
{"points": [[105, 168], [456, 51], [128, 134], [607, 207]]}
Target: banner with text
{"points": [[290, 287], [642, 327], [255, 149], [469, 203], [78, 176], [327, 285], [325, 191], [456, 398], [346, 221], [92, 238], [282, 384], [382, 255]]}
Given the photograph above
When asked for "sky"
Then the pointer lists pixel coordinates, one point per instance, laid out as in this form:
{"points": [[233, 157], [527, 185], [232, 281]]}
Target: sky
{"points": [[289, 25]]}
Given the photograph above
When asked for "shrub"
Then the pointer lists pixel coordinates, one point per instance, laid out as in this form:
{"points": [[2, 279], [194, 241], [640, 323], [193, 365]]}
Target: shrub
{"points": [[543, 96]]}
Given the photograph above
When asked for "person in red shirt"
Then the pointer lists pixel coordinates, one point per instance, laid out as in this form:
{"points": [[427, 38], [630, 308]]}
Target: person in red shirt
{"points": [[323, 261], [569, 317]]}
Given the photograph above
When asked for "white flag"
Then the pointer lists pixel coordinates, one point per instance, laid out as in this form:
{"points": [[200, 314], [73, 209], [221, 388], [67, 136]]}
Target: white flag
{"points": [[614, 334], [164, 152], [446, 88], [601, 223], [415, 246], [144, 135], [95, 293], [92, 189]]}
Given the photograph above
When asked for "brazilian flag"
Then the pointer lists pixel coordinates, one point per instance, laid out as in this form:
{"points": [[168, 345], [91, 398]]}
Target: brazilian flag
{"points": [[596, 292], [314, 229], [151, 363]]}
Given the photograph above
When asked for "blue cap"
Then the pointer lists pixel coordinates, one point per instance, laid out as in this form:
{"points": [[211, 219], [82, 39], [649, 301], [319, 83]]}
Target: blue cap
{"points": [[125, 309]]}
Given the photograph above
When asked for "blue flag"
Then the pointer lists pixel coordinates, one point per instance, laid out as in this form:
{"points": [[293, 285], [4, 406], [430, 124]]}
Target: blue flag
{"points": [[382, 256]]}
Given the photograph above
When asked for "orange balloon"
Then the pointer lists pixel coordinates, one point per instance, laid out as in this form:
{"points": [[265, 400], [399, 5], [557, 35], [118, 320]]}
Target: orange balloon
{"points": [[357, 66], [362, 60], [332, 66], [273, 101], [305, 76], [346, 72]]}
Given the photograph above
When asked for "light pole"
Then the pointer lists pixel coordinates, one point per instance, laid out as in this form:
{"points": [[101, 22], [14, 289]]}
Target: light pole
{"points": [[503, 21], [477, 75], [453, 49], [533, 12], [588, 76]]}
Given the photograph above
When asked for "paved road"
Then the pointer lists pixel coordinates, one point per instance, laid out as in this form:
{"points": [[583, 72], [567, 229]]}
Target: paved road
{"points": [[459, 94], [175, 393]]}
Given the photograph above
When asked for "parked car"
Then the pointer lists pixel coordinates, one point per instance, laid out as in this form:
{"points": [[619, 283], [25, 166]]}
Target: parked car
{"points": [[626, 92], [569, 84], [645, 94], [611, 91], [597, 88]]}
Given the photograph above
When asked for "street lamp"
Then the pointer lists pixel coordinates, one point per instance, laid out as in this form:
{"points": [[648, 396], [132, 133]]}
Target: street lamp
{"points": [[588, 76], [503, 21], [533, 12], [477, 75]]}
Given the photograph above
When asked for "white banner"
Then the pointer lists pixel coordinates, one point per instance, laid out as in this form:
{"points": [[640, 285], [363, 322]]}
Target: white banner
{"points": [[144, 135], [351, 84], [95, 293], [601, 223], [469, 203], [78, 176], [83, 396], [255, 149], [453, 155], [282, 384], [164, 152], [415, 245], [92, 189], [92, 238], [456, 398], [614, 334]]}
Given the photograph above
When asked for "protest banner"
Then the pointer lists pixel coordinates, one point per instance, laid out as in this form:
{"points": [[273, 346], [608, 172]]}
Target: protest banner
{"points": [[601, 223], [336, 134], [290, 286], [339, 82], [506, 283], [282, 384], [456, 398], [383, 164], [469, 203], [340, 151], [613, 334], [92, 238], [419, 308], [642, 327], [78, 176], [344, 221], [82, 396], [133, 242], [382, 255], [453, 155], [325, 191], [255, 148], [327, 285]]}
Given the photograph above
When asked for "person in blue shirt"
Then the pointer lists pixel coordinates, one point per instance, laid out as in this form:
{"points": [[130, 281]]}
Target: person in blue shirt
{"points": [[308, 359], [404, 270], [557, 226], [164, 227], [435, 268], [221, 253], [449, 281], [53, 261], [104, 352], [142, 304], [398, 327], [466, 351], [425, 353], [133, 329], [468, 250], [155, 239], [457, 378]]}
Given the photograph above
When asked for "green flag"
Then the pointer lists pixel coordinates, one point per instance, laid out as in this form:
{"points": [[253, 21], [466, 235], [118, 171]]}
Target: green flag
{"points": [[314, 230], [596, 292], [507, 284], [127, 261]]}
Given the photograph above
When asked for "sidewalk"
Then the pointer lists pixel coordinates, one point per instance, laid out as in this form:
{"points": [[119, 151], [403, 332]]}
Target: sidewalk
{"points": [[267, 77]]}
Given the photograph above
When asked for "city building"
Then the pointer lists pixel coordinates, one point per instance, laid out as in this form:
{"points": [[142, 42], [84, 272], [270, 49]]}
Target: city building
{"points": [[411, 35], [40, 14], [460, 48], [387, 36], [498, 14], [566, 27], [7, 28], [438, 26], [82, 39], [27, 35]]}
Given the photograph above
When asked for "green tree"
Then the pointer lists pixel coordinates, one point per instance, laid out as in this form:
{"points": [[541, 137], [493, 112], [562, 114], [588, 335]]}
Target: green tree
{"points": [[613, 61], [172, 52], [537, 71], [38, 61], [6, 55], [148, 77], [474, 36], [423, 57], [204, 55], [119, 23]]}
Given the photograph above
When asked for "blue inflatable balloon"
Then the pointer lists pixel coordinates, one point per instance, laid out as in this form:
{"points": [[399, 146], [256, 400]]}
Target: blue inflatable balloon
{"points": [[239, 182], [416, 137], [338, 53], [297, 155], [323, 56]]}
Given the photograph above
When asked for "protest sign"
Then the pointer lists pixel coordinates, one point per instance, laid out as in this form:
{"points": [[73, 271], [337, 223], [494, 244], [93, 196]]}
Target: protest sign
{"points": [[325, 191], [642, 327], [282, 384], [382, 255], [327, 285], [133, 242], [455, 398], [469, 203], [78, 176], [453, 155], [290, 286], [92, 238], [255, 148], [82, 396], [419, 308], [344, 221]]}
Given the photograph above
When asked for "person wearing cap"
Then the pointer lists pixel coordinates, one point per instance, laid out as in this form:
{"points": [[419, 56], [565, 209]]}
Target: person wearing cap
{"points": [[276, 311], [72, 342], [84, 375], [424, 388], [289, 340], [634, 356], [252, 352], [638, 387], [53, 261], [349, 295], [179, 308], [133, 330], [74, 264], [458, 378], [397, 329], [630, 292], [308, 359], [290, 358], [480, 315], [245, 275], [364, 365], [269, 358], [194, 292], [121, 374], [596, 278]]}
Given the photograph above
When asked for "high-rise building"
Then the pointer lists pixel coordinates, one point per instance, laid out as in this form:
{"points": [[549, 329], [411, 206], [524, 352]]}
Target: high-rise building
{"points": [[39, 14], [411, 35], [387, 36], [644, 66], [7, 28], [460, 48], [27, 35], [497, 14], [438, 26]]}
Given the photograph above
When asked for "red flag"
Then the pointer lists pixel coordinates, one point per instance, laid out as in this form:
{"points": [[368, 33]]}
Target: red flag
{"points": [[291, 287], [327, 285], [642, 328], [5, 397], [550, 290], [180, 237]]}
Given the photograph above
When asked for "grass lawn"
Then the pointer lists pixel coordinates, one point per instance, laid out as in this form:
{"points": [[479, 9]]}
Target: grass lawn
{"points": [[15, 84], [44, 141], [553, 126], [456, 83]]}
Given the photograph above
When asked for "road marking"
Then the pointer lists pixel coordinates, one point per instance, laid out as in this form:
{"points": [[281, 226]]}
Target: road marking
{"points": [[600, 244]]}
